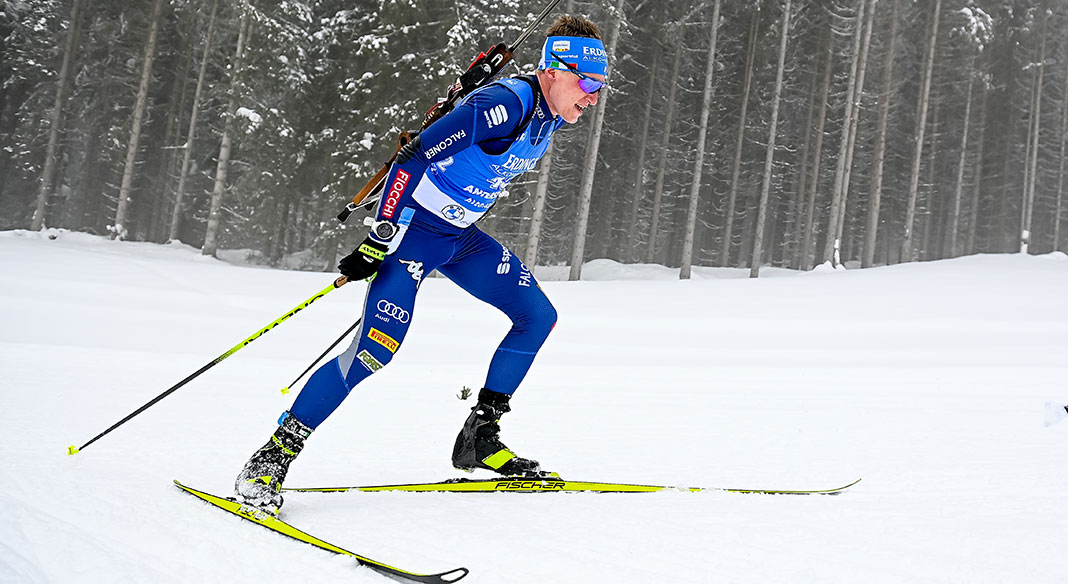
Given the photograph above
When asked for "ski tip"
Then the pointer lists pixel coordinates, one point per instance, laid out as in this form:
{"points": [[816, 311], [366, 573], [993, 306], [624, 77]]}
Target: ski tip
{"points": [[454, 575], [849, 485], [839, 490], [442, 578], [72, 450], [179, 484]]}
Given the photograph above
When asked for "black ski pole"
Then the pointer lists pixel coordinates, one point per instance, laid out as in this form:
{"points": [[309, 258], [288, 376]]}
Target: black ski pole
{"points": [[72, 450], [285, 389]]}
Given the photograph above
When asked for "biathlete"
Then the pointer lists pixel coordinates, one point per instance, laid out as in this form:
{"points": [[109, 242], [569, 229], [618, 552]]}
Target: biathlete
{"points": [[440, 185]]}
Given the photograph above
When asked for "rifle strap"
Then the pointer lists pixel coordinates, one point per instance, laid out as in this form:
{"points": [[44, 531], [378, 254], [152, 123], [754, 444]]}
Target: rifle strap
{"points": [[532, 81]]}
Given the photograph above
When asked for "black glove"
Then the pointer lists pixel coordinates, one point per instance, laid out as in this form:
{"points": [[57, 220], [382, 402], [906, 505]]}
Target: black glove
{"points": [[364, 261]]}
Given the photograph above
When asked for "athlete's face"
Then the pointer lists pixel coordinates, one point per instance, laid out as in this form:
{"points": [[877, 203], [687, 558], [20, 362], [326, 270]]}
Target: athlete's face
{"points": [[564, 96]]}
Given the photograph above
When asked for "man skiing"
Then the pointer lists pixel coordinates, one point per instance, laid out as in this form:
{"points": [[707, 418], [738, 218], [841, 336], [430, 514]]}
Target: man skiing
{"points": [[442, 182]]}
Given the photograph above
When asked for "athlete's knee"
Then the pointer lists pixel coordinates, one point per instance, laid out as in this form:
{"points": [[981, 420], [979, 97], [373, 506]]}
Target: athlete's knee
{"points": [[550, 316], [372, 363], [541, 319], [359, 362]]}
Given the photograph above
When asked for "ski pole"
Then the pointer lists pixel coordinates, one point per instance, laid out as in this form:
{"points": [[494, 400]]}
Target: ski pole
{"points": [[72, 450], [285, 389]]}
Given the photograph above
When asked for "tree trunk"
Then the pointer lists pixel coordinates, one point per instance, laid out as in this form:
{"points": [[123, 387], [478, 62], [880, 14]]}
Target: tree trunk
{"points": [[977, 181], [1028, 206], [211, 234], [921, 126], [795, 215], [954, 213], [578, 246], [537, 217], [736, 167], [279, 248], [928, 207], [665, 142], [631, 245], [187, 156], [1060, 169], [810, 207], [702, 132], [769, 158], [118, 230], [1022, 232], [168, 167], [854, 122], [875, 197], [849, 120], [63, 87]]}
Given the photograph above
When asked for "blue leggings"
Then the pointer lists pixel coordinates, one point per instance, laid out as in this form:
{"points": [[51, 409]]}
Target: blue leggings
{"points": [[474, 261]]}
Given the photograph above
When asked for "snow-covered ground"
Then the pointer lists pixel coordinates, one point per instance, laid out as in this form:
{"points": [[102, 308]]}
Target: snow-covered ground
{"points": [[929, 380]]}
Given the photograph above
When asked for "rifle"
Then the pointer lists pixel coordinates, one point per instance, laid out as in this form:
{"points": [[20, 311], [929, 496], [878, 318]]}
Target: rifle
{"points": [[485, 68]]}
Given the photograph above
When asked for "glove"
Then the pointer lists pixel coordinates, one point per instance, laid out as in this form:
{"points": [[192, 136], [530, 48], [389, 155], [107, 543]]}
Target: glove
{"points": [[364, 261]]}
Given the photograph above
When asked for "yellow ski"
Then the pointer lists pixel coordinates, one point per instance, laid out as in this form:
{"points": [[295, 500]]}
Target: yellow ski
{"points": [[552, 485], [273, 523]]}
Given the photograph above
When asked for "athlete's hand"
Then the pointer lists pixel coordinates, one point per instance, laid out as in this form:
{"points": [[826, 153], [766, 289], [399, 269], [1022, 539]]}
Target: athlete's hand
{"points": [[364, 261]]}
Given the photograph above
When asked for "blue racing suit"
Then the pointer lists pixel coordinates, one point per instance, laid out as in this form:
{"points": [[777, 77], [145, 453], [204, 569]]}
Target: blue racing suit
{"points": [[441, 185]]}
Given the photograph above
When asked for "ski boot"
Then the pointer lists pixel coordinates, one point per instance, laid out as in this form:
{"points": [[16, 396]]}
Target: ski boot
{"points": [[259, 483], [479, 445]]}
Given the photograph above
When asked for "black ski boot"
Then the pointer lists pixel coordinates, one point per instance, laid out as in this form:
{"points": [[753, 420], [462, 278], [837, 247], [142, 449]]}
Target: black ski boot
{"points": [[479, 446], [260, 482]]}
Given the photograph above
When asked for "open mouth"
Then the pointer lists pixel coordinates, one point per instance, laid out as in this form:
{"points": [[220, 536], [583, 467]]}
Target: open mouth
{"points": [[581, 108]]}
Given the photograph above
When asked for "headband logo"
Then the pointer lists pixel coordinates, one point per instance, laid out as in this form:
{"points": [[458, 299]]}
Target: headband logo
{"points": [[595, 51], [561, 45]]}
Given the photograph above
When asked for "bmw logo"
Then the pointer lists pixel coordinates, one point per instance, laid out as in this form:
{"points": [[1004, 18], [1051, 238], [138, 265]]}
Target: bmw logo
{"points": [[453, 212]]}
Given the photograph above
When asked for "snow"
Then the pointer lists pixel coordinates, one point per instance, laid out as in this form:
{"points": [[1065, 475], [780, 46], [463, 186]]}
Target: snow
{"points": [[929, 380], [1055, 413], [254, 119], [978, 24]]}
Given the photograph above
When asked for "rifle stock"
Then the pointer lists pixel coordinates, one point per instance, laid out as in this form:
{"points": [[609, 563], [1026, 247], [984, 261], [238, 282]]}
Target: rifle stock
{"points": [[485, 67], [374, 186]]}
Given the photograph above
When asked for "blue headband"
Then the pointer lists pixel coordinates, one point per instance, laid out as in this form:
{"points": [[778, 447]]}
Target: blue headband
{"points": [[586, 54]]}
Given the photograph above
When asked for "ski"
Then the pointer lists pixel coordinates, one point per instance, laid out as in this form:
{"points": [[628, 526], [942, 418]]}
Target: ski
{"points": [[552, 485], [260, 517]]}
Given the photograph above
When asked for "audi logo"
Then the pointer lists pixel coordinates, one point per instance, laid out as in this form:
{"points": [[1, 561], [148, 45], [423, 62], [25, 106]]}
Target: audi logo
{"points": [[388, 308]]}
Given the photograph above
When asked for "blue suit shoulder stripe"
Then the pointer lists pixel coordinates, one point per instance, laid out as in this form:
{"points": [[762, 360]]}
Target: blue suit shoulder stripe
{"points": [[503, 105]]}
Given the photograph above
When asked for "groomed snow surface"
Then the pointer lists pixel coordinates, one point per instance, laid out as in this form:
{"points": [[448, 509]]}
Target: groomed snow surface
{"points": [[929, 380]]}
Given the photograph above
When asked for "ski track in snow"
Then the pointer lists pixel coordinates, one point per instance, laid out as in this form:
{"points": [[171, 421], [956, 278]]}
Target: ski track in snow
{"points": [[928, 380]]}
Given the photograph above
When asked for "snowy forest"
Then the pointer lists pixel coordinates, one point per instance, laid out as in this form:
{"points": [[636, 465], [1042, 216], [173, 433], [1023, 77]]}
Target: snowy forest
{"points": [[783, 133]]}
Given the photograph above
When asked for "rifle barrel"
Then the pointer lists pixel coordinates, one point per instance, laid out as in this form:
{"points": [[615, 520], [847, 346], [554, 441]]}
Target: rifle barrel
{"points": [[530, 28]]}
